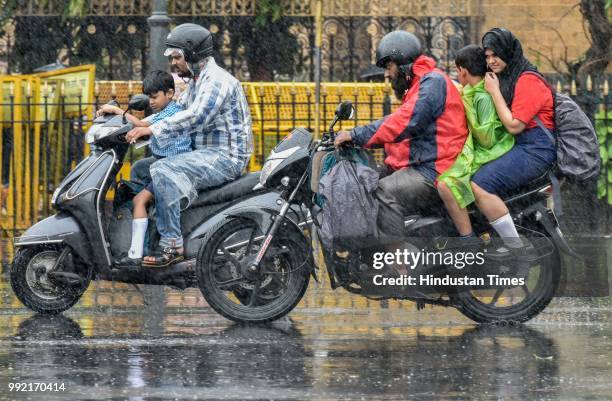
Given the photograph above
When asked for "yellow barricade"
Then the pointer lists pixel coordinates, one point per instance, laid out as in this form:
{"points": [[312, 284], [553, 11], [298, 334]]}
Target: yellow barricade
{"points": [[36, 112], [277, 108]]}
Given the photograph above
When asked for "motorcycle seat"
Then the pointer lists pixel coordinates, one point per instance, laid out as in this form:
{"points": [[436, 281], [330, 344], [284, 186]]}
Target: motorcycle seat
{"points": [[415, 222], [227, 192], [536, 185]]}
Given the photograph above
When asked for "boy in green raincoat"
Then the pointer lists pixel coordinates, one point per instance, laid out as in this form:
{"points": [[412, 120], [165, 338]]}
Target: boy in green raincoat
{"points": [[487, 140]]}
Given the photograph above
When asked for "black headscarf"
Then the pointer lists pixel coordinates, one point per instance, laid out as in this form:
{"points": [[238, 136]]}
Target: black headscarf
{"points": [[507, 47]]}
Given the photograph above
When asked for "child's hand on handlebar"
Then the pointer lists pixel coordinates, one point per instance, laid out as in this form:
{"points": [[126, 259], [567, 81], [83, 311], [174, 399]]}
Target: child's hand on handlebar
{"points": [[136, 133], [108, 109], [342, 137]]}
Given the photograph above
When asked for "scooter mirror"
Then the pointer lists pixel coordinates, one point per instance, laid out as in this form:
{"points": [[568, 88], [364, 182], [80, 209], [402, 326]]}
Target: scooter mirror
{"points": [[345, 111], [138, 102]]}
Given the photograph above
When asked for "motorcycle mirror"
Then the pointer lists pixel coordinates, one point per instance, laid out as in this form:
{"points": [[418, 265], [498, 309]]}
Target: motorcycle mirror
{"points": [[138, 102], [345, 110]]}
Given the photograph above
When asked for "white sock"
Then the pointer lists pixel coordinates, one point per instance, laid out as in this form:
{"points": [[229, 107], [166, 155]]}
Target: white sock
{"points": [[507, 231], [139, 228]]}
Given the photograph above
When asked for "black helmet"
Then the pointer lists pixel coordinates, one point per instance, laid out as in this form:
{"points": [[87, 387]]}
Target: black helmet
{"points": [[401, 47], [194, 40]]}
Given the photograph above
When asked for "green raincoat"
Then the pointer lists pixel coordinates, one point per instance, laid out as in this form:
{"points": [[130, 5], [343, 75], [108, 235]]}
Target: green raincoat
{"points": [[487, 140]]}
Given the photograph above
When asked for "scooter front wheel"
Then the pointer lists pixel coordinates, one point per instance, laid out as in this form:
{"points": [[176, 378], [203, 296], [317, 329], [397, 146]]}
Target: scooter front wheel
{"points": [[34, 287], [268, 295]]}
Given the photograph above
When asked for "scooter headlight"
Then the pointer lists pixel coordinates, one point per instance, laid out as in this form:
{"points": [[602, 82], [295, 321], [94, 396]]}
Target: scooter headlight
{"points": [[97, 132], [91, 132], [55, 195]]}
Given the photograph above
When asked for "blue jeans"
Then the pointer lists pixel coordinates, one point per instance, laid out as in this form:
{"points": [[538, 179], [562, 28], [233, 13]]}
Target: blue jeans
{"points": [[182, 176], [139, 173]]}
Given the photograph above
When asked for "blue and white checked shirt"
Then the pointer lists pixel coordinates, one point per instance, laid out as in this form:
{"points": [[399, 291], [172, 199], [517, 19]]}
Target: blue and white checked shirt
{"points": [[216, 115], [182, 144]]}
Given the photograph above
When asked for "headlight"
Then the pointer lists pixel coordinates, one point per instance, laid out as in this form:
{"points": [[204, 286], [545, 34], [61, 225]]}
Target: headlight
{"points": [[273, 161], [269, 166], [97, 132], [89, 137], [55, 194]]}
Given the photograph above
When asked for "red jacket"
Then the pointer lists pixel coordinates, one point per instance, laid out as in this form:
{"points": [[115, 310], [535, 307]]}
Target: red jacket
{"points": [[427, 131]]}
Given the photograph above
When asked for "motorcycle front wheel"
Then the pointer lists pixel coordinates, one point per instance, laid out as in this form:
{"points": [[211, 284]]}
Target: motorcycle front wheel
{"points": [[255, 298]]}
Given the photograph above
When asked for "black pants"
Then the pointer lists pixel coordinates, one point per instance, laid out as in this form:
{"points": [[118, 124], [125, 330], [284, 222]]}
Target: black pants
{"points": [[402, 193]]}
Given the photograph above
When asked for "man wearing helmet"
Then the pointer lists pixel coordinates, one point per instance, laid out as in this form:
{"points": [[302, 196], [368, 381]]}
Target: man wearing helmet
{"points": [[216, 116], [422, 138]]}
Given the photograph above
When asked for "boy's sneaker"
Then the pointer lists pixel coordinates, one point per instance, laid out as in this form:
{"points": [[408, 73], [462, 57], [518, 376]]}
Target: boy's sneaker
{"points": [[465, 244], [520, 259], [526, 253]]}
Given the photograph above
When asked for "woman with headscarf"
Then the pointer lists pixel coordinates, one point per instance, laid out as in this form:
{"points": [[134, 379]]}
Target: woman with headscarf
{"points": [[520, 95]]}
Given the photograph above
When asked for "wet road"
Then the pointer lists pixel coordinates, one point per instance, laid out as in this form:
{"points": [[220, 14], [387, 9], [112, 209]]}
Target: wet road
{"points": [[332, 347]]}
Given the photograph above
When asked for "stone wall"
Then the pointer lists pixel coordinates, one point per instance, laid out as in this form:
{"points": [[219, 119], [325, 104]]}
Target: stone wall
{"points": [[530, 20]]}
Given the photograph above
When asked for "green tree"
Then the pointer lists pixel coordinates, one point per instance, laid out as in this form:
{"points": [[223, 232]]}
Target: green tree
{"points": [[269, 45]]}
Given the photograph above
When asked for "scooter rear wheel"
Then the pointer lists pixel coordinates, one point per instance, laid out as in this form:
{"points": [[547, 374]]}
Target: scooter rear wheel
{"points": [[267, 296], [33, 287]]}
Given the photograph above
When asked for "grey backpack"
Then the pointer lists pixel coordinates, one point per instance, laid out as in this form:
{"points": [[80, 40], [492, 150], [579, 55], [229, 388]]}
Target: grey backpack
{"points": [[575, 139], [349, 212]]}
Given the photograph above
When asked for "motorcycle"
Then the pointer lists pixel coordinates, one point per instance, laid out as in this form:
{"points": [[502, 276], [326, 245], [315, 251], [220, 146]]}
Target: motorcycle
{"points": [[255, 266], [57, 258]]}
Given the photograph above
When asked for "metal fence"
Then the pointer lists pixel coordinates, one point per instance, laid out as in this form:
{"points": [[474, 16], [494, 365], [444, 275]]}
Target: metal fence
{"points": [[42, 141], [115, 36]]}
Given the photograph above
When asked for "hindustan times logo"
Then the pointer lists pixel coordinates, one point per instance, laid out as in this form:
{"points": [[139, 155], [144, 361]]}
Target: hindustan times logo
{"points": [[424, 258]]}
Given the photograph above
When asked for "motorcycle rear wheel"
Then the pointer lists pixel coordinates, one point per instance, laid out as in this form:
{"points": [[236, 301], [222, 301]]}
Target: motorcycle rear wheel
{"points": [[516, 304], [285, 272]]}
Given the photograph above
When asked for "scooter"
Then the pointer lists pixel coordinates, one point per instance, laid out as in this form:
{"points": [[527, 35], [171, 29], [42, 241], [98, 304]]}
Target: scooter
{"points": [[266, 257], [57, 258]]}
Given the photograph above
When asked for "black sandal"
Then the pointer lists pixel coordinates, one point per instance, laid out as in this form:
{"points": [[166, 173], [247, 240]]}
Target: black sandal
{"points": [[168, 256], [128, 262]]}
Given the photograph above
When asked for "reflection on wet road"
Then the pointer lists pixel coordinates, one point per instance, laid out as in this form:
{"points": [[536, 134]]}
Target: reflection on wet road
{"points": [[334, 346]]}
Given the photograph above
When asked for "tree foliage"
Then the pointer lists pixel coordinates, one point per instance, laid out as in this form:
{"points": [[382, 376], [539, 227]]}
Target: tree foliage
{"points": [[270, 47], [599, 54], [598, 30], [270, 11]]}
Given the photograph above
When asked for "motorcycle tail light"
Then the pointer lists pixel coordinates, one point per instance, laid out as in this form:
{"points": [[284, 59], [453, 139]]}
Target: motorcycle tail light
{"points": [[547, 190]]}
